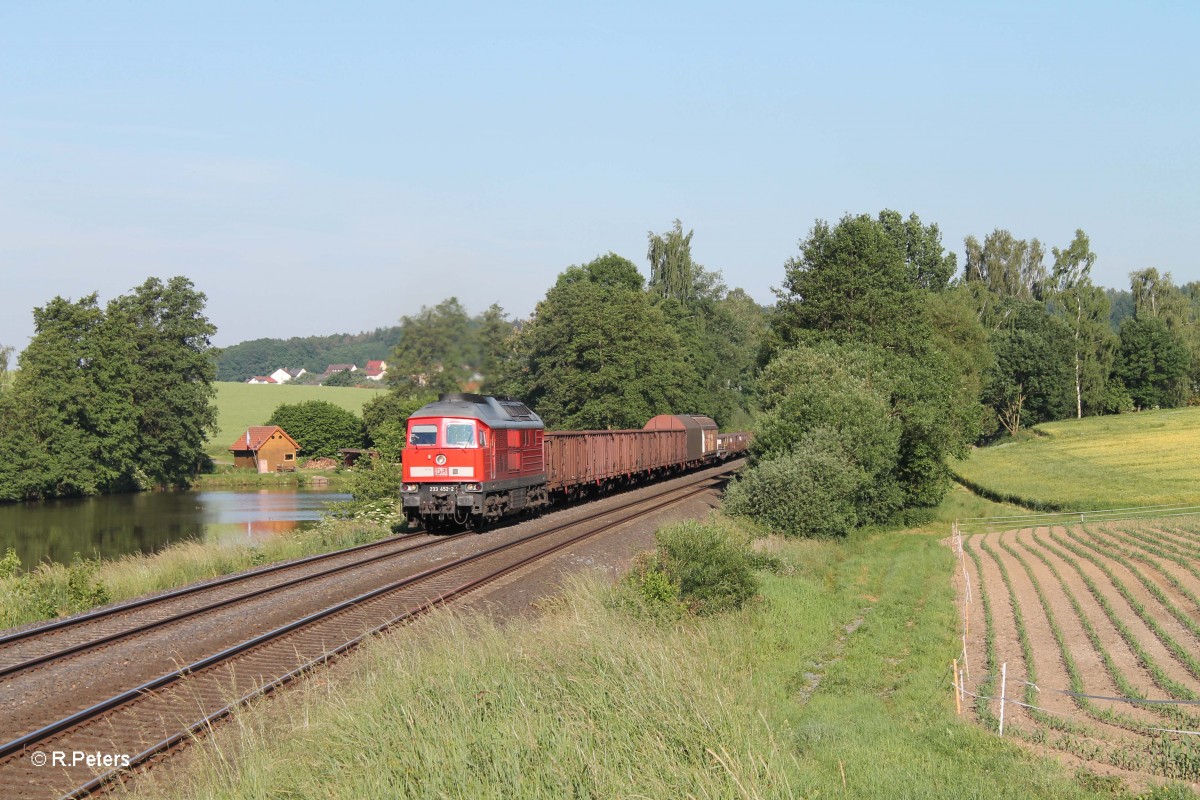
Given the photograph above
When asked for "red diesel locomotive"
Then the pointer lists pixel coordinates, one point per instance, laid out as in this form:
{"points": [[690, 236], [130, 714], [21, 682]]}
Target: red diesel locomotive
{"points": [[470, 459]]}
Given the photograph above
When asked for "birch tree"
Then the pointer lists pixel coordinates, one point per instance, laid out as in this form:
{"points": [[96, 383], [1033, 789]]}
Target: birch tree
{"points": [[1085, 308]]}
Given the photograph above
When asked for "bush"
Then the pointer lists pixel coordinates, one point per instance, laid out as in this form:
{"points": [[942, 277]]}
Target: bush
{"points": [[709, 563], [810, 491], [319, 427], [807, 389], [376, 479], [48, 590], [696, 568], [648, 591]]}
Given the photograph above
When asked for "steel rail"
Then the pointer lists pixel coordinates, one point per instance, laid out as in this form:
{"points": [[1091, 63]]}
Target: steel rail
{"points": [[207, 722], [56, 625], [91, 644], [22, 743]]}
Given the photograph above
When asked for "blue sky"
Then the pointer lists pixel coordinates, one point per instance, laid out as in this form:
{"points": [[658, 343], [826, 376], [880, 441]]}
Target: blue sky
{"points": [[320, 168]]}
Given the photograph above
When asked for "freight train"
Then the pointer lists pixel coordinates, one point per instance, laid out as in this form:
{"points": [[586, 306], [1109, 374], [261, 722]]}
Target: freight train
{"points": [[471, 459]]}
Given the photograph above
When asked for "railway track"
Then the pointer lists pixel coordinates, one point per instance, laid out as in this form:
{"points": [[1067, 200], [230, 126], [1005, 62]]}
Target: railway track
{"points": [[55, 641], [153, 717]]}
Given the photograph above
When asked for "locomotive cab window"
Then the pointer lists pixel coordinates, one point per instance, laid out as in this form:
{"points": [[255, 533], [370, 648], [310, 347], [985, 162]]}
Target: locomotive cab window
{"points": [[460, 434], [423, 434]]}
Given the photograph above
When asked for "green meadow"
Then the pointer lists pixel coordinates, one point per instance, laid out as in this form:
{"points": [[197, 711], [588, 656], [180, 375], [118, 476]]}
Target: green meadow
{"points": [[1093, 463], [240, 405], [834, 683]]}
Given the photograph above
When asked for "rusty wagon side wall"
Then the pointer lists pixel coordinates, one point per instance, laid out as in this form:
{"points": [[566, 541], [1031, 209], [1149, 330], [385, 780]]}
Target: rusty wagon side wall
{"points": [[731, 444], [575, 458]]}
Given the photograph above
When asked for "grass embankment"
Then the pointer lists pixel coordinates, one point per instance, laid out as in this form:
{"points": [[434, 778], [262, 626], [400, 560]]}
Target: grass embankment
{"points": [[240, 405], [1094, 463], [52, 590], [833, 684], [229, 478]]}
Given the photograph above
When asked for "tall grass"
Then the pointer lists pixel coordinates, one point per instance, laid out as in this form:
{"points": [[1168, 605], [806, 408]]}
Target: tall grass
{"points": [[53, 589], [832, 685], [1098, 462]]}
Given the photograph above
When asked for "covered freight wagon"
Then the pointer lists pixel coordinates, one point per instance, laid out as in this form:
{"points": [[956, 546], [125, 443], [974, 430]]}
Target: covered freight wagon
{"points": [[701, 432]]}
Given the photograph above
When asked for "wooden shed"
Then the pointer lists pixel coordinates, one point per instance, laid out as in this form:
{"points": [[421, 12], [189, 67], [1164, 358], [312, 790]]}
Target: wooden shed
{"points": [[265, 448]]}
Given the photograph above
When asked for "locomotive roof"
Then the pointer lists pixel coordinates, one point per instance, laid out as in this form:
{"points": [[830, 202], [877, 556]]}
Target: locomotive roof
{"points": [[502, 414]]}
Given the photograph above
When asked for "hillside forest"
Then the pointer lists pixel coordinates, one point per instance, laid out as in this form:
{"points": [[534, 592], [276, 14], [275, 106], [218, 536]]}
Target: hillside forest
{"points": [[880, 363]]}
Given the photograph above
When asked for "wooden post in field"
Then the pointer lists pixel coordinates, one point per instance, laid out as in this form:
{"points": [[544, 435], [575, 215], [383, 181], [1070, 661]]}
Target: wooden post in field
{"points": [[1003, 686], [957, 688], [966, 661]]}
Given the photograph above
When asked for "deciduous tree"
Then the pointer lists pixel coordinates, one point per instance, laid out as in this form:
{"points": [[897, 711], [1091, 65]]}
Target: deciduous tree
{"points": [[598, 354], [1085, 309], [854, 282], [435, 347], [1152, 362], [171, 391], [493, 329], [1031, 379], [1002, 268], [319, 427]]}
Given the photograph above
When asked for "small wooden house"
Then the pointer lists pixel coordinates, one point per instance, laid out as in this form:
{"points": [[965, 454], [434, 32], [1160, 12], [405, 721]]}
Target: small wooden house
{"points": [[265, 448]]}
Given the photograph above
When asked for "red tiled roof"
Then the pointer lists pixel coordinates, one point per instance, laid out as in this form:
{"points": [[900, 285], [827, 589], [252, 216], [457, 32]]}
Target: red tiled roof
{"points": [[375, 365], [256, 436], [264, 379]]}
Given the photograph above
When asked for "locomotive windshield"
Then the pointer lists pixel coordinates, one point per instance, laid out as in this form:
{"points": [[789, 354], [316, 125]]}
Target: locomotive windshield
{"points": [[423, 434], [460, 434]]}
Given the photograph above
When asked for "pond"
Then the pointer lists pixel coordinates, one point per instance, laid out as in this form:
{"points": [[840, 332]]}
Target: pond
{"points": [[114, 525]]}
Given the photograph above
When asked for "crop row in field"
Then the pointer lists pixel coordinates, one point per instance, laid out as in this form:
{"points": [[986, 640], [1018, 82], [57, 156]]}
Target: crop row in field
{"points": [[1097, 627]]}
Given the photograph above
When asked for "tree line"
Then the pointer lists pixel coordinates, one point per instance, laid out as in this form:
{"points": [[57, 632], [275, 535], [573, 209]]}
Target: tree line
{"points": [[879, 363], [244, 360]]}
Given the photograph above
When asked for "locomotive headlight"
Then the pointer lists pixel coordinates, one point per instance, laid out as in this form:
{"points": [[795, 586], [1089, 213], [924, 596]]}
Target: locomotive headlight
{"points": [[408, 487], [440, 460], [473, 487]]}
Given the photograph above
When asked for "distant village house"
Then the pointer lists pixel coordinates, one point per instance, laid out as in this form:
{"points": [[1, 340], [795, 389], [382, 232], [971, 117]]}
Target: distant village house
{"points": [[280, 375], [376, 370], [265, 448]]}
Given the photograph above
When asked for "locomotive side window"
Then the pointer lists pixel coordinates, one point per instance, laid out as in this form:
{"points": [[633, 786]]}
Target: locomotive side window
{"points": [[460, 434], [423, 434]]}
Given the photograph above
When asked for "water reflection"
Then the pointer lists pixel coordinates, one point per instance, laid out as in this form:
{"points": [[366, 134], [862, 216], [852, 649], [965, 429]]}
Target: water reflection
{"points": [[118, 524]]}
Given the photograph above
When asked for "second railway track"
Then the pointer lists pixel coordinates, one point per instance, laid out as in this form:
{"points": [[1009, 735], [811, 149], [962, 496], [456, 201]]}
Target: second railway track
{"points": [[44, 644], [155, 715]]}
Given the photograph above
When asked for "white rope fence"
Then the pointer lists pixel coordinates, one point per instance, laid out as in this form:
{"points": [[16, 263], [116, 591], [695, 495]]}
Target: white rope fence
{"points": [[1004, 701], [1072, 517], [960, 675]]}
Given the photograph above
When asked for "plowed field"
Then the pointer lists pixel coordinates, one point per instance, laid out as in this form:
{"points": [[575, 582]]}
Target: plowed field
{"points": [[1088, 618]]}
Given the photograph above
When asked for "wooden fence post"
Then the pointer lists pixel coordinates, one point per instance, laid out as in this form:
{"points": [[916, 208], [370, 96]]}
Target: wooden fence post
{"points": [[957, 687]]}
